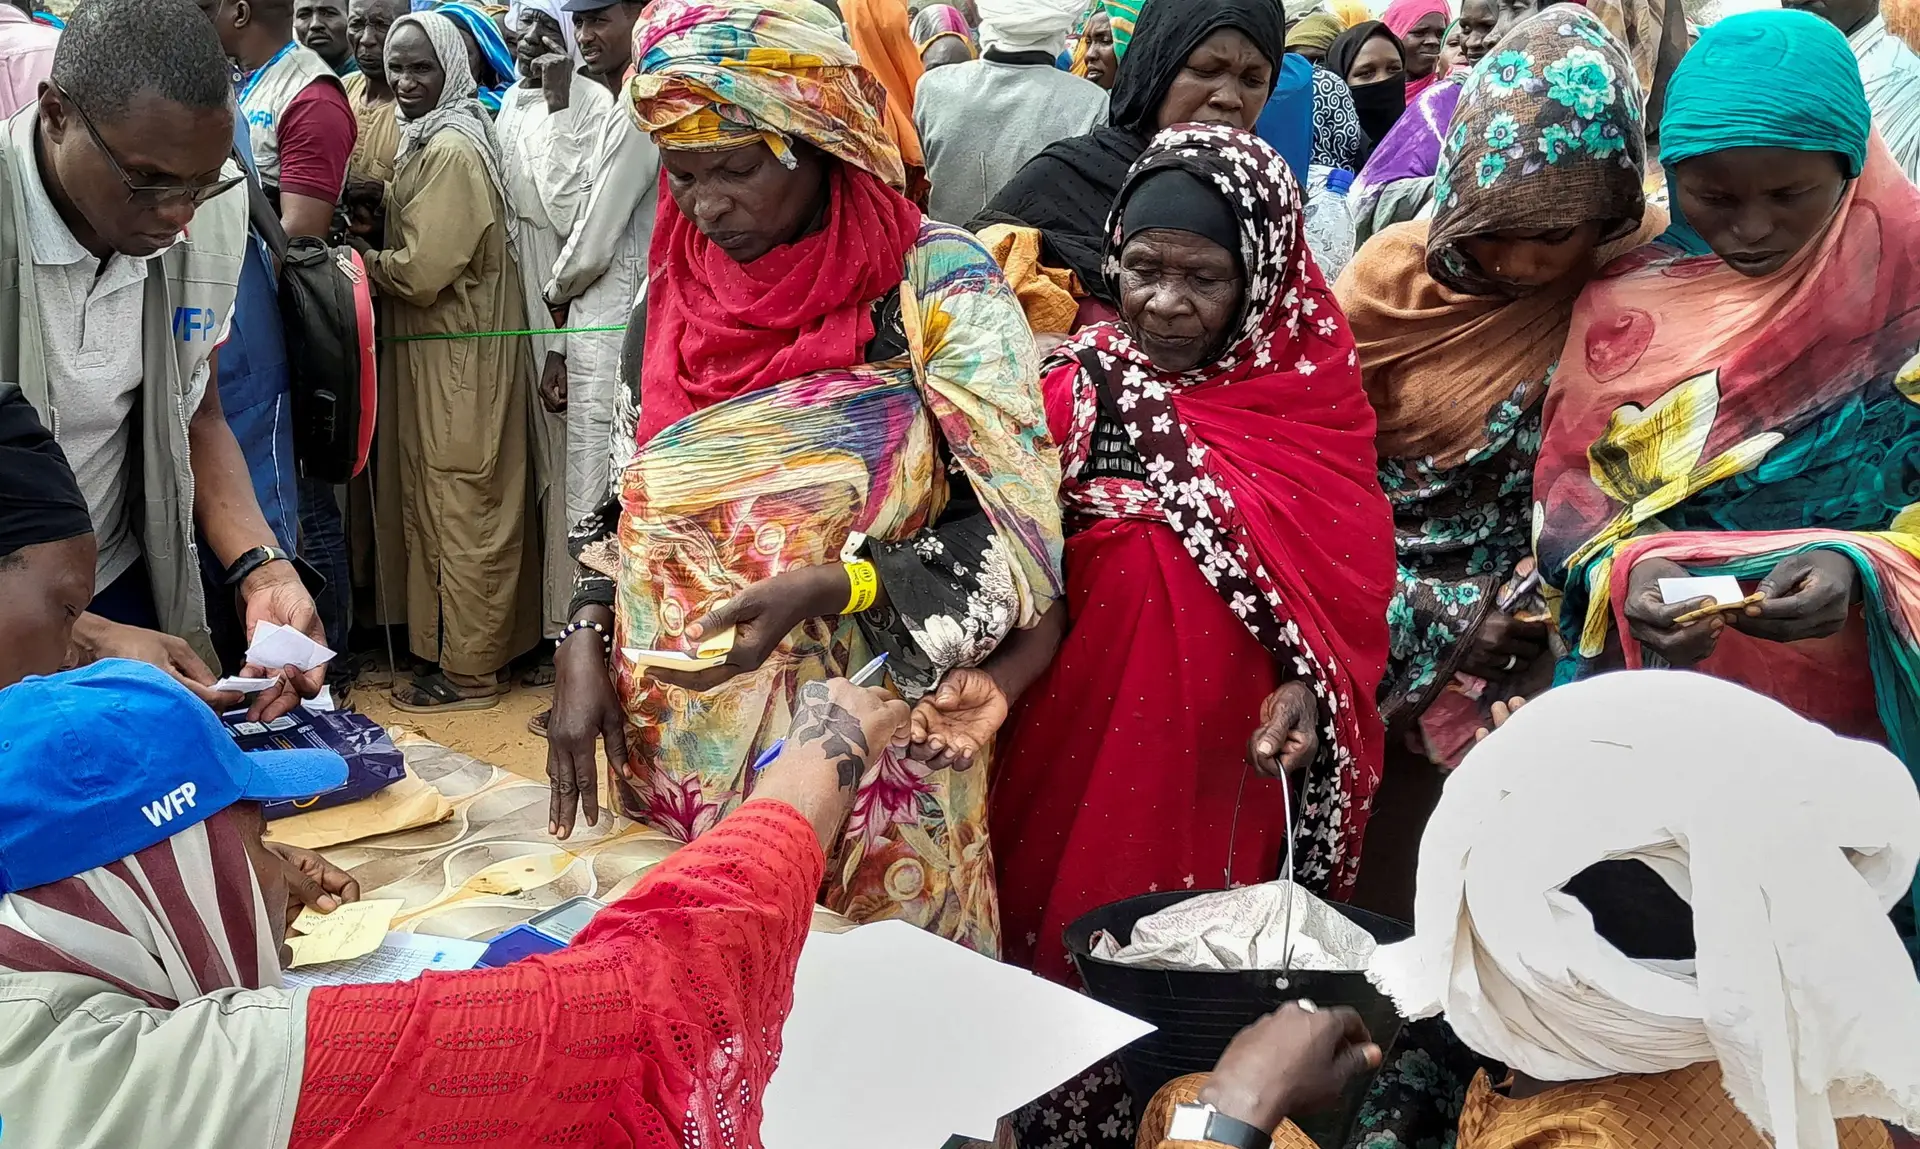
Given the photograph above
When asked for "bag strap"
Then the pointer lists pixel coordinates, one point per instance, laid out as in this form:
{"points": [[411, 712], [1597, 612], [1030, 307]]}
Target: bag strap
{"points": [[260, 212]]}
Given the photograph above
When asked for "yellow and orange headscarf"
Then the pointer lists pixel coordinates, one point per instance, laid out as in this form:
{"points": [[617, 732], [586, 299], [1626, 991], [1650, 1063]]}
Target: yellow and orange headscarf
{"points": [[711, 75]]}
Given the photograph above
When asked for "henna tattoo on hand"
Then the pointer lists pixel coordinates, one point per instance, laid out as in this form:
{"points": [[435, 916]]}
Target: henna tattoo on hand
{"points": [[818, 719]]}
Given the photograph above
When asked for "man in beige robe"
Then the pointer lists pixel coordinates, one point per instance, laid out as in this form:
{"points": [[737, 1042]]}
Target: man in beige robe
{"points": [[446, 269]]}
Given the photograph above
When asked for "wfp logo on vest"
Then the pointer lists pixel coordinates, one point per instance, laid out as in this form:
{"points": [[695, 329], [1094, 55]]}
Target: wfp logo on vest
{"points": [[260, 118], [171, 806], [190, 323]]}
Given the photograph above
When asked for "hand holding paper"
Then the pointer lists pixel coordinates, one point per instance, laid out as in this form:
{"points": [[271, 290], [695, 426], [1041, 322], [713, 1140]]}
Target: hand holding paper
{"points": [[275, 645], [709, 653], [350, 931]]}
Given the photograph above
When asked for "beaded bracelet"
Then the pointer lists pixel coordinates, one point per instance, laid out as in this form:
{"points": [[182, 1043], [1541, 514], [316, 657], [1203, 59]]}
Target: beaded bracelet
{"points": [[606, 636]]}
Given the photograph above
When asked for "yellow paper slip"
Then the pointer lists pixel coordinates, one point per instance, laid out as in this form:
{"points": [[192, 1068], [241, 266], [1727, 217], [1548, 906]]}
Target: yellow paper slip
{"points": [[350, 931], [710, 653]]}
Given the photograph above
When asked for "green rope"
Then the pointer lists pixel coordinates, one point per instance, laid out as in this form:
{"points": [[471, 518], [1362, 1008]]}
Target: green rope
{"points": [[496, 334]]}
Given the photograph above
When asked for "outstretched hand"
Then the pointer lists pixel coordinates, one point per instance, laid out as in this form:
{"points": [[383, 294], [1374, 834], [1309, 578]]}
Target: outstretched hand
{"points": [[957, 721]]}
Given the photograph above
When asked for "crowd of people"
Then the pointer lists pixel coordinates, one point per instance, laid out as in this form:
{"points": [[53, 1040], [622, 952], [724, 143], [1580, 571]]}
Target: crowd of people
{"points": [[1219, 414]]}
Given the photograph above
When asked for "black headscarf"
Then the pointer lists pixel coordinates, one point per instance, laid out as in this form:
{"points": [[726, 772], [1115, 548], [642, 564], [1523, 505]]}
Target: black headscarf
{"points": [[1068, 190], [1381, 102], [39, 500]]}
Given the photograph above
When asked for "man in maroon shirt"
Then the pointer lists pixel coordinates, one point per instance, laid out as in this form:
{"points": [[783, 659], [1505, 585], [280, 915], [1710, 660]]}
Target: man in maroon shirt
{"points": [[297, 113]]}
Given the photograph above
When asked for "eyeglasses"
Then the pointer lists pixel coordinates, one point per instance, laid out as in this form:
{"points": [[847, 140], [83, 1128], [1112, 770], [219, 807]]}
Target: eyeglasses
{"points": [[150, 195]]}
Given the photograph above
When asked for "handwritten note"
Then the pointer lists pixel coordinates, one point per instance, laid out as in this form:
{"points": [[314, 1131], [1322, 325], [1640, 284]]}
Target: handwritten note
{"points": [[350, 931]]}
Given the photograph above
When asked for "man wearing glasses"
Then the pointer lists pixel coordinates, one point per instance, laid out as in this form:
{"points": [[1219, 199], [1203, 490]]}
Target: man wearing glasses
{"points": [[125, 218]]}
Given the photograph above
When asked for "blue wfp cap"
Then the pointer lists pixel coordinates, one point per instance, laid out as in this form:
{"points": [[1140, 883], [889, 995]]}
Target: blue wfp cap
{"points": [[99, 763]]}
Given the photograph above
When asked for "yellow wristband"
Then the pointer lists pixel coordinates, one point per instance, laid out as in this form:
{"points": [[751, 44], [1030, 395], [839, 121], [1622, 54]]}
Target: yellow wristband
{"points": [[863, 586]]}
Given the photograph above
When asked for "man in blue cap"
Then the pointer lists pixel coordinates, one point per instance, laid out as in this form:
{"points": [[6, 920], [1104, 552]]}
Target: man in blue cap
{"points": [[100, 763]]}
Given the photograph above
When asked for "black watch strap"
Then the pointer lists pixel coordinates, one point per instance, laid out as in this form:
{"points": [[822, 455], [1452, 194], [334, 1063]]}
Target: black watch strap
{"points": [[1224, 1130], [253, 560]]}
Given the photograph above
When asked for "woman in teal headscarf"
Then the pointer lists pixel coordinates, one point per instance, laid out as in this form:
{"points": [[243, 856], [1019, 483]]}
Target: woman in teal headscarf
{"points": [[487, 53], [1743, 397]]}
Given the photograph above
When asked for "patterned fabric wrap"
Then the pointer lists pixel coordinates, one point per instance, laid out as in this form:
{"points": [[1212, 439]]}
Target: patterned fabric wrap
{"points": [[1455, 366], [1554, 105], [173, 922], [1692, 397], [781, 477], [774, 69], [1324, 621], [1338, 141]]}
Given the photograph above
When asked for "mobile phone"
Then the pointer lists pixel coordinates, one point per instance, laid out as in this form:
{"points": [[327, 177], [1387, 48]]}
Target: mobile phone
{"points": [[565, 920]]}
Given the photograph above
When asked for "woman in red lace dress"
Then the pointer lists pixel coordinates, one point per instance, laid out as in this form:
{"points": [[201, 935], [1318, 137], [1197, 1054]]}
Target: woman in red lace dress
{"points": [[139, 1001]]}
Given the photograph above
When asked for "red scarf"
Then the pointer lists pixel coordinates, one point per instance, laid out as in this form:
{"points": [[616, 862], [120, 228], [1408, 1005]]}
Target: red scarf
{"points": [[717, 328]]}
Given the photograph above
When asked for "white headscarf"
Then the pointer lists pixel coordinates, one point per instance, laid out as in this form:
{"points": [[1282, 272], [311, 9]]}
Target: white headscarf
{"points": [[1789, 842], [459, 109], [1028, 25], [516, 22]]}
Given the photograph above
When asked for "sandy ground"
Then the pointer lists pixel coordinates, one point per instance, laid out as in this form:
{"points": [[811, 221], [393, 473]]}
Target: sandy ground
{"points": [[499, 735]]}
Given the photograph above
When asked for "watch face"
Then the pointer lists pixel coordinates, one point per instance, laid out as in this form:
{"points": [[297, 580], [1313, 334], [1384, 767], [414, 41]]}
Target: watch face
{"points": [[1189, 1123]]}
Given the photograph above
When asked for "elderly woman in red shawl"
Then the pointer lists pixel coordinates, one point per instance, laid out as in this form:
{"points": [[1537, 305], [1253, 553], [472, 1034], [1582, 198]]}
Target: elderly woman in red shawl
{"points": [[1229, 561]]}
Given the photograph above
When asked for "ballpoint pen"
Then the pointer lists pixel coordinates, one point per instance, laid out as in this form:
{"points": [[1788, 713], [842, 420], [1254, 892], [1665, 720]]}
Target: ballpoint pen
{"points": [[867, 674]]}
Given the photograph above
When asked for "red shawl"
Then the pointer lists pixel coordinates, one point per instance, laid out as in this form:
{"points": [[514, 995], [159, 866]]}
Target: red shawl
{"points": [[1274, 442], [717, 328]]}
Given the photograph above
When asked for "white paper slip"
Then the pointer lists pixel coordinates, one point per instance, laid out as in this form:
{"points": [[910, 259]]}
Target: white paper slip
{"points": [[1723, 589], [1005, 1038], [275, 645], [401, 957], [237, 685], [710, 653]]}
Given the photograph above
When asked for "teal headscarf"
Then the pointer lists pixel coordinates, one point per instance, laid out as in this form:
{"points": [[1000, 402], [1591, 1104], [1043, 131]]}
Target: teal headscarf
{"points": [[1771, 79]]}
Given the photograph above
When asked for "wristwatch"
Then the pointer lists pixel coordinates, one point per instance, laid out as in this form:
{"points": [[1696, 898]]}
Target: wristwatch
{"points": [[253, 560], [1202, 1122]]}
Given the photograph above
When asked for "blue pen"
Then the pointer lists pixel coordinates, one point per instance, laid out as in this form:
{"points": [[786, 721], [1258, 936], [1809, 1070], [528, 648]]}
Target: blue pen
{"points": [[867, 674]]}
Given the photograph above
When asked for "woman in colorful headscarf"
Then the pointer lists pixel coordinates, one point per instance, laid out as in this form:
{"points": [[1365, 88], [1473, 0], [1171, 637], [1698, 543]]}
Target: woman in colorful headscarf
{"points": [[943, 24], [1738, 398], [1421, 25], [842, 453], [447, 269], [1096, 42], [489, 60], [1459, 321], [1218, 450], [1067, 191]]}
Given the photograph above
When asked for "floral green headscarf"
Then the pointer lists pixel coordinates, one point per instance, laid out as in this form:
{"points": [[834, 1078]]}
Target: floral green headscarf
{"points": [[1547, 135]]}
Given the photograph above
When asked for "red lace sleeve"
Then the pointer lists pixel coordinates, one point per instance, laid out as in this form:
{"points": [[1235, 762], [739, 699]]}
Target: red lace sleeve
{"points": [[657, 1028]]}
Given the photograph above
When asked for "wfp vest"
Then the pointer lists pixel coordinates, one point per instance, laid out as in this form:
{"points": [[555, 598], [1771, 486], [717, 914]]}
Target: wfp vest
{"points": [[189, 291], [264, 100]]}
